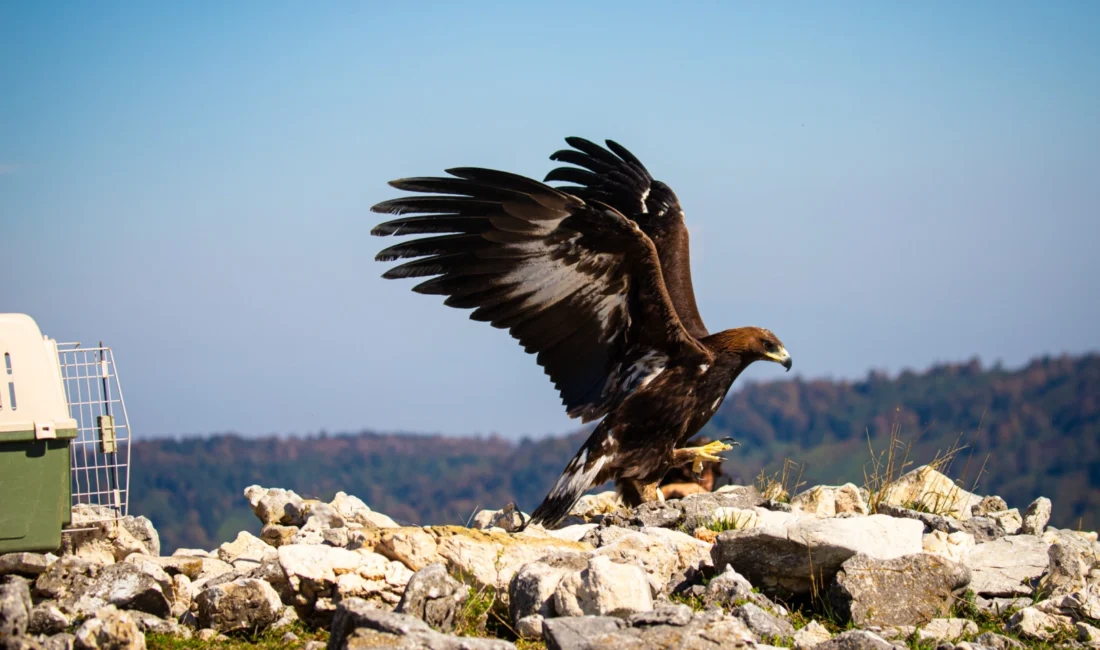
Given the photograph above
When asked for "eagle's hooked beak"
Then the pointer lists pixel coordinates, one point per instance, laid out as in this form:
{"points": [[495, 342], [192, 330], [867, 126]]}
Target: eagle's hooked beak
{"points": [[782, 357]]}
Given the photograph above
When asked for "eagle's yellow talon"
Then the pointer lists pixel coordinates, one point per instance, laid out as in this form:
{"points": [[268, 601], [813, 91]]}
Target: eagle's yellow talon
{"points": [[706, 453]]}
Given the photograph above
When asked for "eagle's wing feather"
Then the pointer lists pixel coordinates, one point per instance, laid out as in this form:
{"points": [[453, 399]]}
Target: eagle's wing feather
{"points": [[573, 280], [616, 177]]}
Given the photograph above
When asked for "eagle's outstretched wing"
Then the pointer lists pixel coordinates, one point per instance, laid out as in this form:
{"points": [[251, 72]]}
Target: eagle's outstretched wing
{"points": [[619, 179], [573, 280]]}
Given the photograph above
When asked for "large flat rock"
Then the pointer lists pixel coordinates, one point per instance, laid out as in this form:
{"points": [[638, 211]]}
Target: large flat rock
{"points": [[789, 560]]}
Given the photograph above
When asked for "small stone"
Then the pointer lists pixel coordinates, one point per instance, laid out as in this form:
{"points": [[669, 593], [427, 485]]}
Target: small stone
{"points": [[933, 492], [532, 588], [26, 564], [1083, 604], [953, 546], [572, 633], [325, 514], [277, 535], [904, 591], [1009, 520], [988, 505], [1036, 517], [66, 578], [984, 529], [125, 586], [59, 641], [15, 609], [948, 629], [246, 546], [1087, 633], [352, 509], [157, 625], [434, 597], [530, 627], [181, 593], [289, 617], [289, 637], [47, 618], [416, 548], [998, 606], [244, 604], [206, 634], [729, 588], [110, 629], [276, 506], [109, 541], [357, 624], [1006, 567], [763, 623], [594, 505], [336, 536], [829, 501], [1067, 571], [1032, 623], [312, 533], [855, 640], [811, 635], [603, 588], [675, 615], [141, 528]]}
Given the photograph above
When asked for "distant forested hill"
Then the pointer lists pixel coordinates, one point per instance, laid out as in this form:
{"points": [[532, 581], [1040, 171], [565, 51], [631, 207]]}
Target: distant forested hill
{"points": [[1036, 429]]}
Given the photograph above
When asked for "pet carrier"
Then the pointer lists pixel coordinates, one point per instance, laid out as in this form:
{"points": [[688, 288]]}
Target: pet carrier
{"points": [[36, 431], [64, 437]]}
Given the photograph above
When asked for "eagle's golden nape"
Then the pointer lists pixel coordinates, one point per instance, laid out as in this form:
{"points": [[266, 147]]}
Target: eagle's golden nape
{"points": [[594, 279]]}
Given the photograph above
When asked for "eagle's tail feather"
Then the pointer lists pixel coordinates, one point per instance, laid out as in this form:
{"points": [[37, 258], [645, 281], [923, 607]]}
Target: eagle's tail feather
{"points": [[580, 475]]}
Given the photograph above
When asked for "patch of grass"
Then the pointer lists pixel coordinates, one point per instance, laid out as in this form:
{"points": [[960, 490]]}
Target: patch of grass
{"points": [[268, 640], [474, 618], [776, 640], [798, 618], [914, 642], [890, 464], [483, 616], [986, 620], [728, 523], [782, 484], [694, 602]]}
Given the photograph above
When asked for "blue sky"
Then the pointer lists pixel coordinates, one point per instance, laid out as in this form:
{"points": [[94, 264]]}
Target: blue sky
{"points": [[884, 185]]}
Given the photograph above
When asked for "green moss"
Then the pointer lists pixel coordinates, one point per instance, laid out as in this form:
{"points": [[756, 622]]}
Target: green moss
{"points": [[268, 640]]}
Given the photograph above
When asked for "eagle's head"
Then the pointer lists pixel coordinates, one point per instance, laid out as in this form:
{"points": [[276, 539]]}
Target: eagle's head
{"points": [[755, 344]]}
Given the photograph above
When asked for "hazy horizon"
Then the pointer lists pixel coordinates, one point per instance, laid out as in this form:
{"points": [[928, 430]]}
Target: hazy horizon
{"points": [[883, 186]]}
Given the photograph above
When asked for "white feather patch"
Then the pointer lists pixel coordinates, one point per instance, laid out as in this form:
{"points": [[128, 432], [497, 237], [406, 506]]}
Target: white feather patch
{"points": [[555, 280], [576, 480], [644, 370]]}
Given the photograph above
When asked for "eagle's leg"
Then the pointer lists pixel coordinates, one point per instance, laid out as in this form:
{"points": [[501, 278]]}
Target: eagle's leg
{"points": [[698, 455], [634, 492]]}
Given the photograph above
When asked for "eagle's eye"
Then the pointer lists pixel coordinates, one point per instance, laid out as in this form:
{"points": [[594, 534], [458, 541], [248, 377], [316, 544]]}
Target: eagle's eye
{"points": [[769, 346]]}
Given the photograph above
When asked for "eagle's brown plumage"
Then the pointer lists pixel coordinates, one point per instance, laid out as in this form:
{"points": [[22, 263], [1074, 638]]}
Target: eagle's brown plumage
{"points": [[595, 280]]}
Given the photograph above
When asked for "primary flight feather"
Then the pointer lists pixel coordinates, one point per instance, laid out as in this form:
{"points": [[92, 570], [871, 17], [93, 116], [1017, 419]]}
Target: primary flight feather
{"points": [[594, 278]]}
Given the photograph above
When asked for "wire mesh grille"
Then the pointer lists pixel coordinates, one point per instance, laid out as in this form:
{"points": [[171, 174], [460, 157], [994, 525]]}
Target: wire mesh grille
{"points": [[101, 450]]}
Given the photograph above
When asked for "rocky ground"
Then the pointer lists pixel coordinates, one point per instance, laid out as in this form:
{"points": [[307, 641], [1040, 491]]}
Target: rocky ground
{"points": [[933, 566]]}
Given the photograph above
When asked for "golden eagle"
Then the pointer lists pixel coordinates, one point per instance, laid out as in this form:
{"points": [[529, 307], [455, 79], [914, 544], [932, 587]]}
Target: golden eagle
{"points": [[594, 278]]}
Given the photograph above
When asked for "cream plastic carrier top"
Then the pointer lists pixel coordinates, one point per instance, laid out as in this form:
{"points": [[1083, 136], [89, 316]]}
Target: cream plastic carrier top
{"points": [[32, 395]]}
